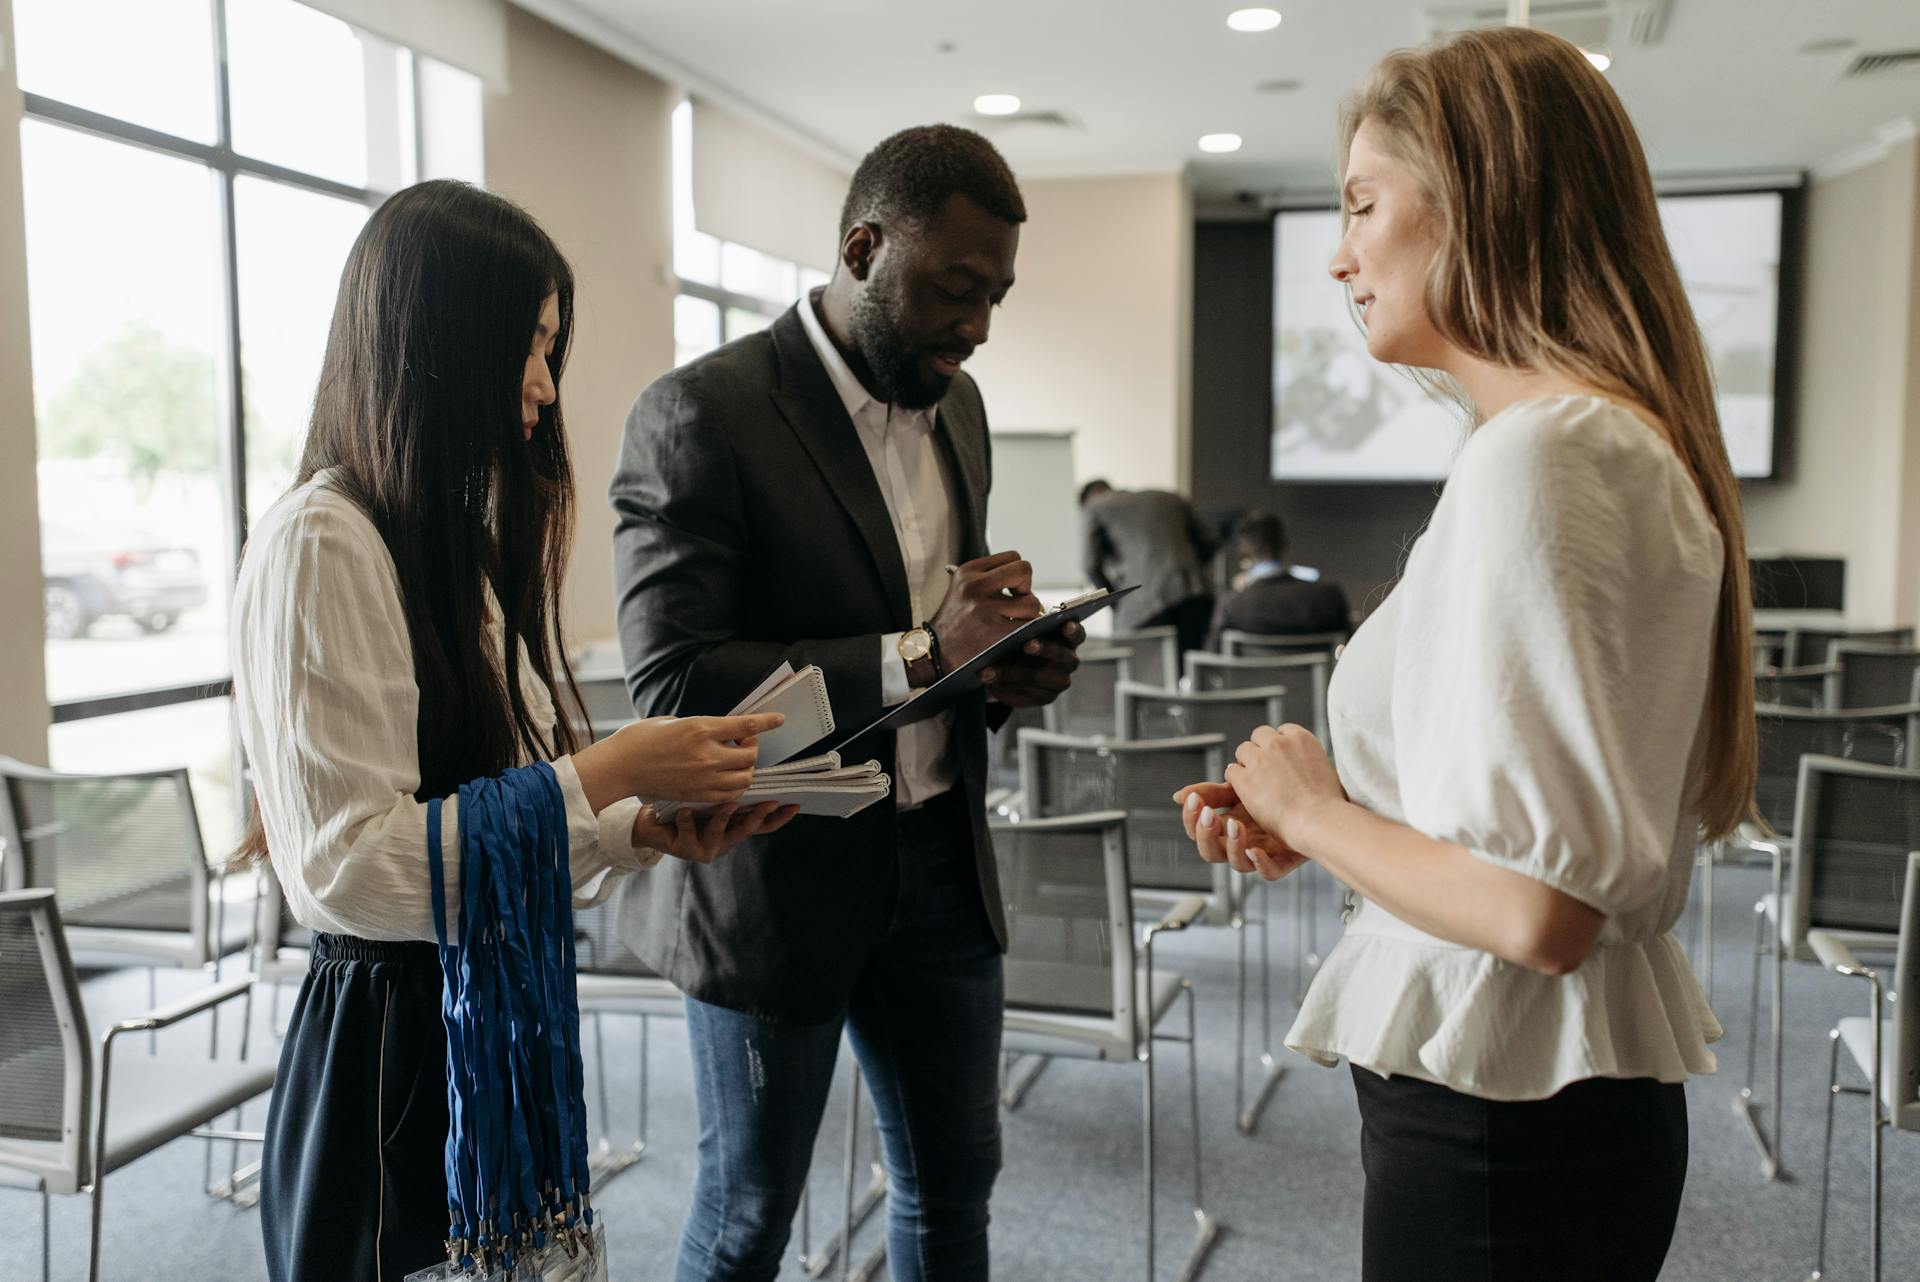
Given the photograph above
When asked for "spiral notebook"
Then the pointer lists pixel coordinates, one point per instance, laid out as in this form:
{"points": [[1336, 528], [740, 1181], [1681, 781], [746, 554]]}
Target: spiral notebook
{"points": [[819, 785]]}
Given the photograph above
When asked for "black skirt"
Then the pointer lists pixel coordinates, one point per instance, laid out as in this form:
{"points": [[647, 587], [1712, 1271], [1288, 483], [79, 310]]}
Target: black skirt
{"points": [[353, 1177], [1582, 1187]]}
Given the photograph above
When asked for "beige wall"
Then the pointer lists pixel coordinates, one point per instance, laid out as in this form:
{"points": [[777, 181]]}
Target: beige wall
{"points": [[582, 140], [1097, 334], [757, 189], [23, 683], [1854, 485]]}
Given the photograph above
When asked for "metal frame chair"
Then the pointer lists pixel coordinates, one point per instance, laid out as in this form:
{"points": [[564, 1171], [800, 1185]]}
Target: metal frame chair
{"points": [[1156, 654], [114, 886], [1810, 687], [1870, 676], [1808, 646], [1057, 1005], [1207, 673], [1067, 775], [1886, 1051], [1838, 846], [1254, 644], [71, 1145], [1769, 648], [1086, 707]]}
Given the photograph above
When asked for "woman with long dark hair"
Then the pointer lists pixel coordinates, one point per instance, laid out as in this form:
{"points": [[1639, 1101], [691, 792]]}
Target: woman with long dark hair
{"points": [[1548, 713], [396, 634]]}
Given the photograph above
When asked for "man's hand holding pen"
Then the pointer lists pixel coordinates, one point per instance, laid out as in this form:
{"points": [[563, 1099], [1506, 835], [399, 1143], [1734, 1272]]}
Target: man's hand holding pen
{"points": [[988, 598]]}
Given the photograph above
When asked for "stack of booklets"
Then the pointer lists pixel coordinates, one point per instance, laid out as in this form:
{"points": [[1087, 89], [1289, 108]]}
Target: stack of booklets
{"points": [[819, 785]]}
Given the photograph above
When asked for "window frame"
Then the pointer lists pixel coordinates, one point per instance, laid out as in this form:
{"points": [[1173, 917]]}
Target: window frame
{"points": [[227, 166]]}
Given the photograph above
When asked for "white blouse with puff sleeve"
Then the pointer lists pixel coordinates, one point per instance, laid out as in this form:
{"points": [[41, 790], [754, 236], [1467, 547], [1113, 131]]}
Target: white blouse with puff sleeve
{"points": [[1533, 690], [323, 684]]}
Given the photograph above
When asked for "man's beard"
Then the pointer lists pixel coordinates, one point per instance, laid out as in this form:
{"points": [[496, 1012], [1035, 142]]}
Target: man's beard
{"points": [[900, 376]]}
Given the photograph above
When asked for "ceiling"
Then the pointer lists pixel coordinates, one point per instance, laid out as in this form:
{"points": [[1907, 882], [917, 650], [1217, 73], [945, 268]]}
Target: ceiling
{"points": [[1727, 88]]}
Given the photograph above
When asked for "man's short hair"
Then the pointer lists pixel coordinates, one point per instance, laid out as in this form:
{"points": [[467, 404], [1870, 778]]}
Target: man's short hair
{"points": [[1262, 536], [908, 178], [1091, 490]]}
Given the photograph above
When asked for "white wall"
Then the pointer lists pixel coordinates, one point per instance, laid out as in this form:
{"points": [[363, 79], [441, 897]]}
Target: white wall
{"points": [[1854, 485], [1096, 335], [601, 187], [23, 681]]}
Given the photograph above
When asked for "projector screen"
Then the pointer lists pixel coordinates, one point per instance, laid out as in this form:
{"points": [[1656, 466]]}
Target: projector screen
{"points": [[1341, 416]]}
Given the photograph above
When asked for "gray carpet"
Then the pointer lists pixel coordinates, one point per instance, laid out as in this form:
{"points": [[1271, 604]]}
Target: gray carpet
{"points": [[1068, 1206]]}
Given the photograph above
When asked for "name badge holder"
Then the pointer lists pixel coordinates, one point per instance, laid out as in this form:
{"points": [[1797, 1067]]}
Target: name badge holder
{"points": [[518, 1202]]}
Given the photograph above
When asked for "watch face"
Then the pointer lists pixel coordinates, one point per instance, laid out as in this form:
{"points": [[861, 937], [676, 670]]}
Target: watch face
{"points": [[914, 645]]}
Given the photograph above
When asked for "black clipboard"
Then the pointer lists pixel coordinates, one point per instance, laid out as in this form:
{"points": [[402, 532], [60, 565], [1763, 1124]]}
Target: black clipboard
{"points": [[965, 679]]}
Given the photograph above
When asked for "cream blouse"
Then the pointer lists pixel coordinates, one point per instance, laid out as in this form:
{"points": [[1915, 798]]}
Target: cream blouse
{"points": [[323, 685], [1533, 689]]}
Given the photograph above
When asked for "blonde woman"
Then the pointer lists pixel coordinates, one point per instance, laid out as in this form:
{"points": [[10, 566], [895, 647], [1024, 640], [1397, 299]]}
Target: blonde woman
{"points": [[1548, 711]]}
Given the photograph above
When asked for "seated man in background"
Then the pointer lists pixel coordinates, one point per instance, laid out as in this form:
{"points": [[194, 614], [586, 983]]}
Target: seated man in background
{"points": [[1155, 540], [1268, 597]]}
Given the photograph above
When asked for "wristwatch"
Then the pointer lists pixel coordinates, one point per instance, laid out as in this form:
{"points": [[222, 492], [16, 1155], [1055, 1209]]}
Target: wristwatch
{"points": [[917, 651]]}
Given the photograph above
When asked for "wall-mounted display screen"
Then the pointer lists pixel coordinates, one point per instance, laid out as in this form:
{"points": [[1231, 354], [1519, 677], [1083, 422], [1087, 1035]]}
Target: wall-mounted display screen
{"points": [[1341, 416]]}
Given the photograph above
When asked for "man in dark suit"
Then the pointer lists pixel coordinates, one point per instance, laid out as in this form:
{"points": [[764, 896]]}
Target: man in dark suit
{"points": [[804, 494], [1156, 540], [1268, 597]]}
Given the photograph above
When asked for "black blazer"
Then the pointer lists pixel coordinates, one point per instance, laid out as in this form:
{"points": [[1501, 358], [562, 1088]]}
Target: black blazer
{"points": [[1282, 604], [750, 530]]}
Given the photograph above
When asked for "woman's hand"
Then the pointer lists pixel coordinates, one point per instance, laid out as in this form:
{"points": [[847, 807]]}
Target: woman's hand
{"points": [[701, 839], [1224, 832], [1285, 780], [705, 760]]}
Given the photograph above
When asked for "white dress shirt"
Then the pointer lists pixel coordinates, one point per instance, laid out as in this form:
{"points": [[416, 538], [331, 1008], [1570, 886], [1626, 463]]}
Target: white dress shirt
{"points": [[919, 494], [1534, 690], [326, 701]]}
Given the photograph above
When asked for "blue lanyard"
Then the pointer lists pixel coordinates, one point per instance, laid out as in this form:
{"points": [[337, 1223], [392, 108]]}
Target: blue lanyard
{"points": [[516, 1156]]}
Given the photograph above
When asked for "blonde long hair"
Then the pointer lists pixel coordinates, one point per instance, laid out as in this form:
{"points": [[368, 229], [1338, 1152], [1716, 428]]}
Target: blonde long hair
{"points": [[1550, 255]]}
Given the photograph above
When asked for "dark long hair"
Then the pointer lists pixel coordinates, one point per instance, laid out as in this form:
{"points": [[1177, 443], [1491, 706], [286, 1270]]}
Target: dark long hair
{"points": [[418, 418]]}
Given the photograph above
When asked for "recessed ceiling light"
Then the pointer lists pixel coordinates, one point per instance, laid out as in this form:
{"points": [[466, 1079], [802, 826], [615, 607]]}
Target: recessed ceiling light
{"points": [[1220, 142], [1254, 19], [1600, 59], [996, 104]]}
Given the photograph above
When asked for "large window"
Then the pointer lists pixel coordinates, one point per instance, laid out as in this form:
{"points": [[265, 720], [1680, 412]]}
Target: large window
{"points": [[726, 290], [192, 188]]}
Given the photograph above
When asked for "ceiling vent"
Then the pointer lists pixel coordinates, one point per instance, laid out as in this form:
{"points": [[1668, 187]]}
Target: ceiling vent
{"points": [[1591, 24], [1885, 63], [1044, 119]]}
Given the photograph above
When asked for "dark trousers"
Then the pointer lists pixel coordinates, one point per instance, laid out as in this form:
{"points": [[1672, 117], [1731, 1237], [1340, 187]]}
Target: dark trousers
{"points": [[353, 1178], [1191, 618], [924, 1019], [1582, 1187]]}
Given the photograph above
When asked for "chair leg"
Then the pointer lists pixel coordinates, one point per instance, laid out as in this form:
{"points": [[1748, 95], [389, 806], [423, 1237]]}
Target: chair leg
{"points": [[46, 1236], [1746, 1105], [1146, 1139], [153, 999], [1205, 1230], [1826, 1156], [1248, 1118], [1874, 1171]]}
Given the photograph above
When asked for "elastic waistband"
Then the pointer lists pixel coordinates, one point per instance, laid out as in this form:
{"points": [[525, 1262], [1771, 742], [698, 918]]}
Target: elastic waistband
{"points": [[351, 948]]}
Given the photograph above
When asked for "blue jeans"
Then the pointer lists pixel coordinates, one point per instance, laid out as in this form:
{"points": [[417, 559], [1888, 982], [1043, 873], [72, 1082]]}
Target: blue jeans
{"points": [[924, 1019]]}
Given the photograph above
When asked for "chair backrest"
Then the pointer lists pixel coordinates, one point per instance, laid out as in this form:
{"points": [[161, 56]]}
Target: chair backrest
{"points": [[1003, 746], [605, 699], [1795, 687], [1853, 826], [1303, 676], [46, 1051], [1069, 916], [1906, 1006], [1871, 676], [123, 852], [1808, 646], [1156, 654], [1145, 713], [1254, 644], [1877, 736], [1064, 775], [1769, 648], [1086, 707], [600, 933]]}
